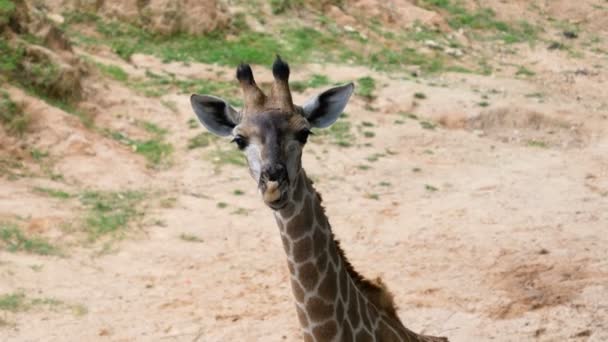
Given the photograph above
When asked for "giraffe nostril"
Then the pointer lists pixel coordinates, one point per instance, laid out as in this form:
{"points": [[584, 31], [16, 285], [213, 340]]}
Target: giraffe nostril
{"points": [[275, 173]]}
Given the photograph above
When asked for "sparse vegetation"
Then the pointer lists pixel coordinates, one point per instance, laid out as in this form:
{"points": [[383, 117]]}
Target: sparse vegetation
{"points": [[372, 196], [537, 143], [13, 239], [113, 71], [484, 19], [419, 96], [190, 238], [200, 140], [229, 156], [338, 134], [315, 81], [430, 188], [523, 71], [12, 302], [12, 116], [52, 192], [155, 150], [109, 212], [18, 301], [193, 123], [427, 125], [366, 87]]}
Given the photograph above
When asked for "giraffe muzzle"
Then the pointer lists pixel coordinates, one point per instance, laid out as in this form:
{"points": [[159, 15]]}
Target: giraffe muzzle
{"points": [[275, 194]]}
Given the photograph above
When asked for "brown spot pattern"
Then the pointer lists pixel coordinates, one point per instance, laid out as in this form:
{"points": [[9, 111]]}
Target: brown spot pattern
{"points": [[343, 285], [339, 311], [308, 338], [328, 287], [352, 309], [318, 310], [347, 334], [322, 263], [386, 334], [301, 223], [326, 331], [320, 214], [298, 292], [286, 244], [287, 212], [302, 317], [364, 336], [299, 190], [320, 241], [302, 249], [308, 276]]}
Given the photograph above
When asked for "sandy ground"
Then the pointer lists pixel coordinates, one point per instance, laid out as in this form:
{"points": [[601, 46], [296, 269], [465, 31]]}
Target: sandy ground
{"points": [[481, 233]]}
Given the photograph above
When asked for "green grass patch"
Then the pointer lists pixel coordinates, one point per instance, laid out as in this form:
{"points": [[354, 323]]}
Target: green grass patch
{"points": [[339, 134], [523, 71], [13, 239], [420, 96], [193, 123], [18, 302], [12, 116], [427, 125], [201, 140], [113, 71], [430, 188], [315, 81], [537, 143], [232, 156], [109, 212], [483, 19], [366, 86], [155, 150], [52, 192], [389, 59], [190, 238], [7, 8], [12, 302]]}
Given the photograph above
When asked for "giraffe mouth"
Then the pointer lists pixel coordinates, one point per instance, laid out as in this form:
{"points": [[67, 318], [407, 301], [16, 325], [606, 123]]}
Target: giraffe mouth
{"points": [[275, 194]]}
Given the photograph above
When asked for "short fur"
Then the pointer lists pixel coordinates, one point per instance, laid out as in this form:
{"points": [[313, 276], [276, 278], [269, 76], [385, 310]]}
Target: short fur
{"points": [[280, 69], [375, 290], [245, 74]]}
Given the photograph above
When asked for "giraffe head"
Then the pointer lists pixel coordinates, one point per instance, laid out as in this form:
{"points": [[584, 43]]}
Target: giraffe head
{"points": [[270, 130]]}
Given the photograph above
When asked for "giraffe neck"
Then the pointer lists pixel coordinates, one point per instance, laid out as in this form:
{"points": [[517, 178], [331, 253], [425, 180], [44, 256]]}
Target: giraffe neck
{"points": [[330, 299]]}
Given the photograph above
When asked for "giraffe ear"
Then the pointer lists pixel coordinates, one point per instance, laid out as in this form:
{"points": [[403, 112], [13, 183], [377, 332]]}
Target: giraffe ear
{"points": [[325, 108], [215, 114]]}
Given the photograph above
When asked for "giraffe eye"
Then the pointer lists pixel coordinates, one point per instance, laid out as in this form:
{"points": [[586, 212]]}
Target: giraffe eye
{"points": [[302, 136], [240, 141]]}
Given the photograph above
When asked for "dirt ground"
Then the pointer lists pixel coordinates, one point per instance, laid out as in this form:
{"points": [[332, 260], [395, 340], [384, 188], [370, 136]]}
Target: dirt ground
{"points": [[487, 222]]}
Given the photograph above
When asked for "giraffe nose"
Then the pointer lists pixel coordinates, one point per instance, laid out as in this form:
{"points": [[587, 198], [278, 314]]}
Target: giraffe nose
{"points": [[276, 172]]}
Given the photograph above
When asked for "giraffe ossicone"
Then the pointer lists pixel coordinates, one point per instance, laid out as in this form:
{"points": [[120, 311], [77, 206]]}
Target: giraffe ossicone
{"points": [[333, 301]]}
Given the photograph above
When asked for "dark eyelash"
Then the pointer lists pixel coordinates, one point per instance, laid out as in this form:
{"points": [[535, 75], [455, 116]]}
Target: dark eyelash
{"points": [[302, 136], [240, 141]]}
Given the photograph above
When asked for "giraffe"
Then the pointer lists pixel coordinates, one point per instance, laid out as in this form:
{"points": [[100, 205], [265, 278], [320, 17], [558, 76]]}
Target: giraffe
{"points": [[333, 301]]}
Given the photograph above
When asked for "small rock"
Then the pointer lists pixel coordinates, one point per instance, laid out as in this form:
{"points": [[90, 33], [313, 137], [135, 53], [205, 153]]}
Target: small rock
{"points": [[349, 28], [433, 44], [57, 18], [454, 52]]}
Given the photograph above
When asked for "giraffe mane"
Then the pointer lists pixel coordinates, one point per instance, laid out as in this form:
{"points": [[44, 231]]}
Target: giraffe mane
{"points": [[374, 290]]}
